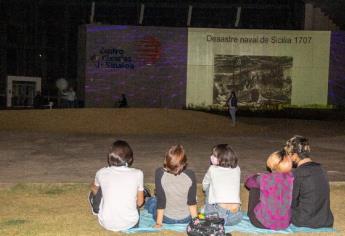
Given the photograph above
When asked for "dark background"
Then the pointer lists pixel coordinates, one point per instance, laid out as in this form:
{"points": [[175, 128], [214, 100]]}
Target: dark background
{"points": [[40, 37]]}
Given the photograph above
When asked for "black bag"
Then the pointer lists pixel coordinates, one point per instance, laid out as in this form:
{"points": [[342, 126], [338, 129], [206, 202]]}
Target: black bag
{"points": [[207, 227]]}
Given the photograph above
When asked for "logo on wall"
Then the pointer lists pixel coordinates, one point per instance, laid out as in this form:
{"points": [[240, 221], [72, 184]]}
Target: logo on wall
{"points": [[112, 58], [148, 50]]}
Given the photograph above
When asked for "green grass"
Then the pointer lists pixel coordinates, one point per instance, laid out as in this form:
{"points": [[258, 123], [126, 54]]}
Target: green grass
{"points": [[62, 209]]}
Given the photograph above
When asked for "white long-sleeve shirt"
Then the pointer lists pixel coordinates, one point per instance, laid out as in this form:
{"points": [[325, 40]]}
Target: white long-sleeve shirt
{"points": [[223, 184]]}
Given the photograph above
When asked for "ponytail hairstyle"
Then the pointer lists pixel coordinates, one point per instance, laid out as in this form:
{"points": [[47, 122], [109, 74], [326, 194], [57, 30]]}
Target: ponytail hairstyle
{"points": [[175, 160], [298, 145], [120, 154]]}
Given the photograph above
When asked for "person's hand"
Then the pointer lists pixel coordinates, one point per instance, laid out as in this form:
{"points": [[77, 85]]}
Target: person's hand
{"points": [[157, 226]]}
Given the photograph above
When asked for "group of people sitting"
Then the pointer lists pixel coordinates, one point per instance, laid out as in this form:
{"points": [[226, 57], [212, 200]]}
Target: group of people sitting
{"points": [[276, 198]]}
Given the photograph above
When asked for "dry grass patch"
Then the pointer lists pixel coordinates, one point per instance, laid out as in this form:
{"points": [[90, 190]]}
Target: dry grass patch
{"points": [[62, 209]]}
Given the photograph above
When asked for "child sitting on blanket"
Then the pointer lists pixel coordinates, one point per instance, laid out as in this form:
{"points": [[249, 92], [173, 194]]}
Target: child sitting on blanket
{"points": [[270, 195], [175, 200], [222, 185], [118, 190]]}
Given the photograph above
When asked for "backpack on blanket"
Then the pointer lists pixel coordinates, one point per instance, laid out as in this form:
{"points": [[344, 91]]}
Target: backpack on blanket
{"points": [[206, 227]]}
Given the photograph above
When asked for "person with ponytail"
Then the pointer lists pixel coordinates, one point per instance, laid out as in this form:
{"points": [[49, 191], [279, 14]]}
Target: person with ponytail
{"points": [[311, 191], [118, 190], [175, 200]]}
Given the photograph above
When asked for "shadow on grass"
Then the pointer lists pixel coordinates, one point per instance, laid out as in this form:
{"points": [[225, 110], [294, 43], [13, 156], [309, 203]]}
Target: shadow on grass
{"points": [[13, 222], [47, 189]]}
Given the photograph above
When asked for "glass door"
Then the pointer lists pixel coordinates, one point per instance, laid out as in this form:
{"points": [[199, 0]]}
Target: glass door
{"points": [[23, 93]]}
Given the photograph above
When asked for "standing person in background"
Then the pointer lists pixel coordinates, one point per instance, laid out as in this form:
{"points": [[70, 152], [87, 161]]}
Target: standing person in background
{"points": [[123, 102], [70, 97], [38, 100], [232, 104]]}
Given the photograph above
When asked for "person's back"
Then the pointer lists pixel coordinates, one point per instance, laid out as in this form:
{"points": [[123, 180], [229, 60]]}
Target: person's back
{"points": [[118, 209], [270, 194], [220, 191], [221, 185], [175, 191], [175, 201], [117, 190], [273, 211], [311, 199], [311, 193]]}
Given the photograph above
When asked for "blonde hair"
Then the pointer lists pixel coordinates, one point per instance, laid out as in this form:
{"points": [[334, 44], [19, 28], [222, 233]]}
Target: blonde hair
{"points": [[278, 161]]}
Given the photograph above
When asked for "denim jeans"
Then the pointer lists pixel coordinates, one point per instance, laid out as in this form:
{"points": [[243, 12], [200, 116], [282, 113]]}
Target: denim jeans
{"points": [[151, 207], [229, 217], [232, 112]]}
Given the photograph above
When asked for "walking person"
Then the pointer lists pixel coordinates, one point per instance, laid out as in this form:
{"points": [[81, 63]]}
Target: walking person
{"points": [[232, 104]]}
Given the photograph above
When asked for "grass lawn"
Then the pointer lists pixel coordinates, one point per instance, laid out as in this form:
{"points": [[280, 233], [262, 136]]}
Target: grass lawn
{"points": [[62, 209]]}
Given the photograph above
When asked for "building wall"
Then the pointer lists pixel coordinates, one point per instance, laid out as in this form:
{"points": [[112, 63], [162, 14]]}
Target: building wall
{"points": [[310, 60], [148, 64], [337, 70], [175, 67]]}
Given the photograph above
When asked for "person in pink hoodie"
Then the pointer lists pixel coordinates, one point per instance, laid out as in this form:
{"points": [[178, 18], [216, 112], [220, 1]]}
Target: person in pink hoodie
{"points": [[270, 195]]}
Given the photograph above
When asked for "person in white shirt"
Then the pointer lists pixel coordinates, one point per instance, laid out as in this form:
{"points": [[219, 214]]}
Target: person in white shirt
{"points": [[70, 97], [221, 184], [118, 190]]}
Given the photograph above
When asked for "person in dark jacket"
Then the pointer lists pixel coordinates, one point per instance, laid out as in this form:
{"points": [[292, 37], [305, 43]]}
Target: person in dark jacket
{"points": [[311, 193], [38, 100], [232, 105], [123, 102]]}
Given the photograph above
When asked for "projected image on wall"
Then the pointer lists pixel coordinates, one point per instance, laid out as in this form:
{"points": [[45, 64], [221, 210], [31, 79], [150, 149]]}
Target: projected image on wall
{"points": [[256, 80]]}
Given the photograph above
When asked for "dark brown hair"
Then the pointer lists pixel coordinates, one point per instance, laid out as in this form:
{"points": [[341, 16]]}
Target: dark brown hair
{"points": [[299, 145], [175, 160], [120, 154], [225, 155]]}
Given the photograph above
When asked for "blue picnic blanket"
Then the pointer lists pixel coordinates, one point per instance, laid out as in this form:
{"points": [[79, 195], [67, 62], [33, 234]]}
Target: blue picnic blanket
{"points": [[146, 223]]}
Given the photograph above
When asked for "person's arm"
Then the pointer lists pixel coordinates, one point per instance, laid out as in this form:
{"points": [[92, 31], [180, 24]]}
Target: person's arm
{"points": [[94, 188], [159, 220], [161, 199], [252, 181], [95, 184], [193, 210], [191, 198], [140, 193], [140, 198], [206, 180]]}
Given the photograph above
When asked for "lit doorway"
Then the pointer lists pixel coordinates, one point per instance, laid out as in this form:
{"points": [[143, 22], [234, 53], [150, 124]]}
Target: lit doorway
{"points": [[21, 90]]}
